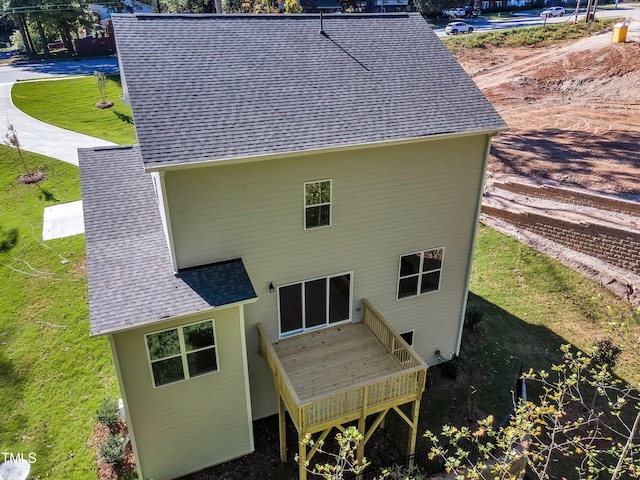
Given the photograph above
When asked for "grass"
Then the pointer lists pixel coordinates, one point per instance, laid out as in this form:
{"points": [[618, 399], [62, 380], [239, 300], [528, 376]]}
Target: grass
{"points": [[52, 374], [527, 36], [529, 305], [69, 104]]}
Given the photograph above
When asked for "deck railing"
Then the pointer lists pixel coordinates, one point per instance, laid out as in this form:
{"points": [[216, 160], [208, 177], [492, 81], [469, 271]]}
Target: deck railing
{"points": [[358, 400], [280, 378], [393, 342]]}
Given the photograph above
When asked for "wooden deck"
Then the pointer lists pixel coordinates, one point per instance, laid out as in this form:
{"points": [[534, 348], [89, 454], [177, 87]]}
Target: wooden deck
{"points": [[331, 360], [333, 376]]}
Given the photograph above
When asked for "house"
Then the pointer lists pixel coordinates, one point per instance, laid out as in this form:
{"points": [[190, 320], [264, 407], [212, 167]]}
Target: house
{"points": [[293, 232]]}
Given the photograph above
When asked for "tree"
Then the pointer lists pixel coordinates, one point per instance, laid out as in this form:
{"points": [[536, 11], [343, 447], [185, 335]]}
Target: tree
{"points": [[585, 417]]}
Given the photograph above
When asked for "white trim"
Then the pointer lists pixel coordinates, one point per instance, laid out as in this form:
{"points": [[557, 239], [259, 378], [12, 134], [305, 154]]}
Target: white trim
{"points": [[183, 352], [474, 235], [167, 218], [245, 371], [158, 321], [419, 273], [321, 204], [326, 324], [130, 429]]}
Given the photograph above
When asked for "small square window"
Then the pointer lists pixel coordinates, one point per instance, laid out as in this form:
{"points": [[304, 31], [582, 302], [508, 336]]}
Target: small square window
{"points": [[419, 273], [317, 204], [181, 353], [408, 337]]}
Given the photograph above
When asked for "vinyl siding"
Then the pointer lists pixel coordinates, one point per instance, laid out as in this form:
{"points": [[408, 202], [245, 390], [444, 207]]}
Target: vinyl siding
{"points": [[188, 425], [386, 201]]}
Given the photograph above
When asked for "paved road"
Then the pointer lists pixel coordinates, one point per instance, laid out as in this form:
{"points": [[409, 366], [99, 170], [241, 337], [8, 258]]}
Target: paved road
{"points": [[48, 68], [531, 18], [34, 135]]}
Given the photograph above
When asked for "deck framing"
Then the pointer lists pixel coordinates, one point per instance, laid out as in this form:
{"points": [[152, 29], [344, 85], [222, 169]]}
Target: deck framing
{"points": [[337, 375]]}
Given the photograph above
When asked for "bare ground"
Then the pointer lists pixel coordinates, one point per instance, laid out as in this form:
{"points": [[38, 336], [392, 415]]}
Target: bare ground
{"points": [[574, 115], [573, 110]]}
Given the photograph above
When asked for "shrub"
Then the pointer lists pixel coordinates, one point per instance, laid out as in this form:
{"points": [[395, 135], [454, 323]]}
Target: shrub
{"points": [[403, 473], [113, 449], [606, 353], [107, 413]]}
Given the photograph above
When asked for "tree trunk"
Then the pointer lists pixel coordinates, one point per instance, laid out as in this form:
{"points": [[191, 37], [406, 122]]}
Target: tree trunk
{"points": [[588, 10], [43, 38], [66, 37], [219, 6], [24, 31]]}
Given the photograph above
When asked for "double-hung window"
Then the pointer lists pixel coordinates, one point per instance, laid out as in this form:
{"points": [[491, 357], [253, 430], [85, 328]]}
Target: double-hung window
{"points": [[313, 304], [183, 352], [317, 204], [419, 273]]}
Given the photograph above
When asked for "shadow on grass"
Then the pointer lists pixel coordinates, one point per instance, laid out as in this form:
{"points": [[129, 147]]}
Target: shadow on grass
{"points": [[8, 240], [123, 117], [12, 379]]}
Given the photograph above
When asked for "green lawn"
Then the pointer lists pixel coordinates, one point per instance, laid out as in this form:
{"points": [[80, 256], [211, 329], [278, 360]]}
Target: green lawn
{"points": [[527, 36], [69, 104], [53, 375], [530, 305]]}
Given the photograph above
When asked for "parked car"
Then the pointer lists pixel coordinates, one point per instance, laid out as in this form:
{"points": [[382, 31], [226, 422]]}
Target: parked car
{"points": [[454, 28], [455, 12], [56, 45], [553, 12]]}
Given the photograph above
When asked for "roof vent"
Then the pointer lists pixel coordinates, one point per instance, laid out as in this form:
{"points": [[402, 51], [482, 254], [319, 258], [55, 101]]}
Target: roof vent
{"points": [[321, 26]]}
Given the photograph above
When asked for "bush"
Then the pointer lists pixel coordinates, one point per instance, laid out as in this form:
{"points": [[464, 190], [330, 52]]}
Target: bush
{"points": [[113, 449], [403, 473], [606, 353], [107, 413]]}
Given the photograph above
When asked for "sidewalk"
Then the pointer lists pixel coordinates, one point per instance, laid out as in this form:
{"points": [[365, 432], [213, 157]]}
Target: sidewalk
{"points": [[35, 136], [39, 137]]}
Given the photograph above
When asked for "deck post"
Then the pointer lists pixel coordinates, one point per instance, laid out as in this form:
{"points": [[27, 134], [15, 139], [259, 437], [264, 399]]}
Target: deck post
{"points": [[282, 429], [302, 458], [362, 425], [414, 430]]}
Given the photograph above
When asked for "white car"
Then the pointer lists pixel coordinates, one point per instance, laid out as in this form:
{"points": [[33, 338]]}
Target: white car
{"points": [[553, 12], [455, 28]]}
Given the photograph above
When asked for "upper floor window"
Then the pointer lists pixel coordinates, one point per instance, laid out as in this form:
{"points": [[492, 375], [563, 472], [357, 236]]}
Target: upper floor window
{"points": [[419, 273], [313, 304], [317, 204], [183, 352]]}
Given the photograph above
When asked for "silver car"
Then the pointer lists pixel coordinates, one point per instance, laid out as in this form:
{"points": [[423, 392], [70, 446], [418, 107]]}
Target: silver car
{"points": [[553, 12], [455, 28]]}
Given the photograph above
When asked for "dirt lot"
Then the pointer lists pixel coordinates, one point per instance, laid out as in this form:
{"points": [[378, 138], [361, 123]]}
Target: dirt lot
{"points": [[573, 110]]}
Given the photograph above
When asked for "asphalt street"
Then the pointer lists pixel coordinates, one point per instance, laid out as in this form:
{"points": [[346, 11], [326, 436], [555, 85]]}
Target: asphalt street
{"points": [[531, 18]]}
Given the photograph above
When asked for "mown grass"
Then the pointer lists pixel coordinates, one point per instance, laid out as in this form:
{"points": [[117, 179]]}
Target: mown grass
{"points": [[527, 36], [52, 374], [69, 104], [530, 305]]}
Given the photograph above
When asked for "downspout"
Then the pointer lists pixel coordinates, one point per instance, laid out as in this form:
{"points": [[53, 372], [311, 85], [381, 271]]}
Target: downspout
{"points": [[473, 243]]}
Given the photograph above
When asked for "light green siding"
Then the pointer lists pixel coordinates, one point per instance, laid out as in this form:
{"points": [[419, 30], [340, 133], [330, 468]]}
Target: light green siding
{"points": [[387, 201], [192, 424]]}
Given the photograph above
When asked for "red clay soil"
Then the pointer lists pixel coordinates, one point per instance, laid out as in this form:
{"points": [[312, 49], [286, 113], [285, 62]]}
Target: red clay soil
{"points": [[573, 110]]}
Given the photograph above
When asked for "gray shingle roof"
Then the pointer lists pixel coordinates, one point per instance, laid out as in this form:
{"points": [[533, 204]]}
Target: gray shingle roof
{"points": [[131, 281], [206, 88]]}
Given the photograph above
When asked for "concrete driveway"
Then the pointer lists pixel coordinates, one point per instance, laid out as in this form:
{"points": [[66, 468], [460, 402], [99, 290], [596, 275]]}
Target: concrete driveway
{"points": [[39, 137]]}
